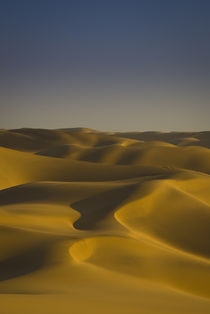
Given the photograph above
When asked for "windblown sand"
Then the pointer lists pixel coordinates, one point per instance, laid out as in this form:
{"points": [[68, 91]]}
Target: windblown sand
{"points": [[94, 222]]}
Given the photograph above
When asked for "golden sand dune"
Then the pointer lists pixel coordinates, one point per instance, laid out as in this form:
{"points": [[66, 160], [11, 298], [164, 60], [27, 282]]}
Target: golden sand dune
{"points": [[95, 222]]}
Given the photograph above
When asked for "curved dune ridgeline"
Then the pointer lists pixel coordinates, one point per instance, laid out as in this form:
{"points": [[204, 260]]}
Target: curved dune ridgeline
{"points": [[96, 222]]}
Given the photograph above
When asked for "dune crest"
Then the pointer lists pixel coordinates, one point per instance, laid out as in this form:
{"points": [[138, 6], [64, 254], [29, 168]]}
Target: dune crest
{"points": [[104, 221]]}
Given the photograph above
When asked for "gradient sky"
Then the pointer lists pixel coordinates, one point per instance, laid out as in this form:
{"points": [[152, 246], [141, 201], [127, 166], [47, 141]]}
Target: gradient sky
{"points": [[110, 65]]}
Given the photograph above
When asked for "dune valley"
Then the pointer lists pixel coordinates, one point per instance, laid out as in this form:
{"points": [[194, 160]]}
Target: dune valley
{"points": [[104, 222]]}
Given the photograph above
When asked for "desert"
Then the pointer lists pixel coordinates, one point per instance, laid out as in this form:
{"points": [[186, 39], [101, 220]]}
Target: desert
{"points": [[98, 222]]}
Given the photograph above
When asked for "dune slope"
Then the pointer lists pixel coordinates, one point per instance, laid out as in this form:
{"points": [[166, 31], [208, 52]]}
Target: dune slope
{"points": [[95, 222]]}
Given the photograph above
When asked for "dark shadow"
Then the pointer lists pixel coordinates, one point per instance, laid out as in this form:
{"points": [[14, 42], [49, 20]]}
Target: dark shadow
{"points": [[24, 193], [96, 208], [24, 262]]}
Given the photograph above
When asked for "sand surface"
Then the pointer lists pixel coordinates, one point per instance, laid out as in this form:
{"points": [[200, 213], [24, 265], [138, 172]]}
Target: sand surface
{"points": [[95, 222]]}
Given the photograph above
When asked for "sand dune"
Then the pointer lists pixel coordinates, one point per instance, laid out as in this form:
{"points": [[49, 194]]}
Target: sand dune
{"points": [[96, 222]]}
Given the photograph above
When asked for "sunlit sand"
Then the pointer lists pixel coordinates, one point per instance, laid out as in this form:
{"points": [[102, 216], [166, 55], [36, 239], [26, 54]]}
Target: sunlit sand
{"points": [[96, 222]]}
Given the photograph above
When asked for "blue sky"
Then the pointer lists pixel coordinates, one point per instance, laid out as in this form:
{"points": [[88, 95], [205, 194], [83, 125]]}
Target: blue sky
{"points": [[109, 65]]}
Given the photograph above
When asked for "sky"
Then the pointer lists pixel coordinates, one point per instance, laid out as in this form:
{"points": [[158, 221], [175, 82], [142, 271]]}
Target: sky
{"points": [[119, 65]]}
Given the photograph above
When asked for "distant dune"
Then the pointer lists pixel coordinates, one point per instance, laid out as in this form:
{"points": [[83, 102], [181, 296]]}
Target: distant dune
{"points": [[96, 222]]}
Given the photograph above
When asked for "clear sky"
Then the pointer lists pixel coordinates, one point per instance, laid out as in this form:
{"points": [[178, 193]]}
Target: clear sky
{"points": [[109, 65]]}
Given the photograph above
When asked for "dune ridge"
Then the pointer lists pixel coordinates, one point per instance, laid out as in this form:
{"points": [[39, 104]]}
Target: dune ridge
{"points": [[96, 221]]}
